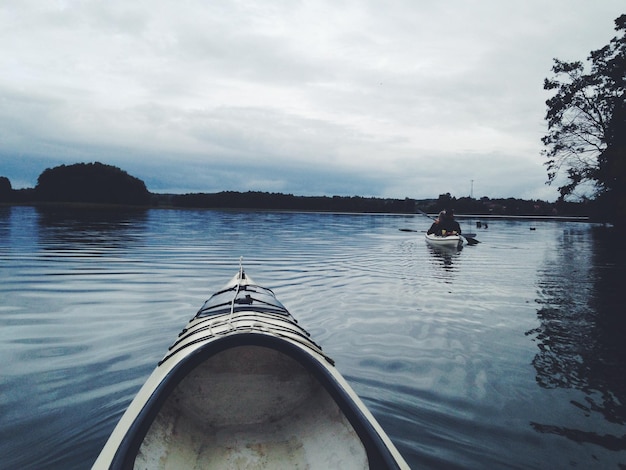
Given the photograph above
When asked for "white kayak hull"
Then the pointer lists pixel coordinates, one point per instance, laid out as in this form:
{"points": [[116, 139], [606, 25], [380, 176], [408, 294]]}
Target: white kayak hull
{"points": [[449, 241], [245, 387]]}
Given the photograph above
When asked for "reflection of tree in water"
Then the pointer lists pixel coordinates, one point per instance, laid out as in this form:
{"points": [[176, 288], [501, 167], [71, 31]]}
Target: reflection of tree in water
{"points": [[582, 332], [5, 215], [81, 226]]}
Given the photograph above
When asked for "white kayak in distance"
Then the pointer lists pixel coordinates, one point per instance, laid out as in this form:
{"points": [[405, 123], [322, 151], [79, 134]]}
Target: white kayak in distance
{"points": [[244, 386], [444, 241]]}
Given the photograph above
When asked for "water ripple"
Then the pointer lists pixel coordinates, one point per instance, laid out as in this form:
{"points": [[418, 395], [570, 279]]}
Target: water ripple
{"points": [[455, 353]]}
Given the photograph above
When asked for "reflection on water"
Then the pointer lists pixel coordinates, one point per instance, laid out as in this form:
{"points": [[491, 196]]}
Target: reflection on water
{"points": [[444, 256], [79, 227], [581, 335], [434, 342], [60, 271], [5, 214]]}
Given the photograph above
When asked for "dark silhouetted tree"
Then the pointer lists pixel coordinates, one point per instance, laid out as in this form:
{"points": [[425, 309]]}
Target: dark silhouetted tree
{"points": [[587, 125], [91, 183], [5, 189]]}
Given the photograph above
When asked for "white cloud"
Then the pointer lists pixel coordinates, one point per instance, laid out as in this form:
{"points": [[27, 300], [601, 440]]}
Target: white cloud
{"points": [[336, 97]]}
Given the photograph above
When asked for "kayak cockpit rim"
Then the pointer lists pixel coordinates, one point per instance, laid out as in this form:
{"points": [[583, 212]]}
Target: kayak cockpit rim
{"points": [[378, 454]]}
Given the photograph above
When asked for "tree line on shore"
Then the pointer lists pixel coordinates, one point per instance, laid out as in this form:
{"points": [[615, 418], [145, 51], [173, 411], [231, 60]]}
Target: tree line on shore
{"points": [[96, 183]]}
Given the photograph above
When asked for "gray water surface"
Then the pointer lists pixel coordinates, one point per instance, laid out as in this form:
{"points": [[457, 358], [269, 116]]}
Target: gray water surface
{"points": [[507, 354]]}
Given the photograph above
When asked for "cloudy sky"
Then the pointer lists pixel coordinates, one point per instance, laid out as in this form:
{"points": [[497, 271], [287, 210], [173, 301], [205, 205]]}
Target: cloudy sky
{"points": [[384, 98]]}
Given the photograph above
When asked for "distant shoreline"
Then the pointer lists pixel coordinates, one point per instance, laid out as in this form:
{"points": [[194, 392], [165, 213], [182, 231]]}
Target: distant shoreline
{"points": [[97, 185], [561, 218]]}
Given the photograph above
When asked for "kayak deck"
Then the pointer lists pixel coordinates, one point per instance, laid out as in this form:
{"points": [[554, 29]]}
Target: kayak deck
{"points": [[265, 411]]}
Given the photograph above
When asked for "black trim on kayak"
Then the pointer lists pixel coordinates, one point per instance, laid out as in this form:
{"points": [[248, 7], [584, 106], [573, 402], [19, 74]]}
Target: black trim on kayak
{"points": [[242, 287], [378, 454], [205, 324], [245, 307], [276, 330], [203, 320], [247, 300], [218, 318], [259, 323], [220, 303]]}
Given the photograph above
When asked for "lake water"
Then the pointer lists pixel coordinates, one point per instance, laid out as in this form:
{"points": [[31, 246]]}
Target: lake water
{"points": [[506, 354]]}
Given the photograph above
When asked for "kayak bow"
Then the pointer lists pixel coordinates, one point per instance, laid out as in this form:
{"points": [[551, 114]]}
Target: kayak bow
{"points": [[244, 386]]}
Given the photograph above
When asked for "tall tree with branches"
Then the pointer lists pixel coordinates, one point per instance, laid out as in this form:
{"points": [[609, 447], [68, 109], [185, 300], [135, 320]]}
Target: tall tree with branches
{"points": [[586, 119]]}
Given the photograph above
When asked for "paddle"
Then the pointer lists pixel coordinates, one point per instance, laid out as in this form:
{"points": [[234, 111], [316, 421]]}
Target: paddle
{"points": [[470, 240], [468, 236]]}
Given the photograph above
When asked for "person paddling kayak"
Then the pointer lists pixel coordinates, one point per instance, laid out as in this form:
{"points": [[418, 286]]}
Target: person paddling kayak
{"points": [[435, 228], [445, 224]]}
